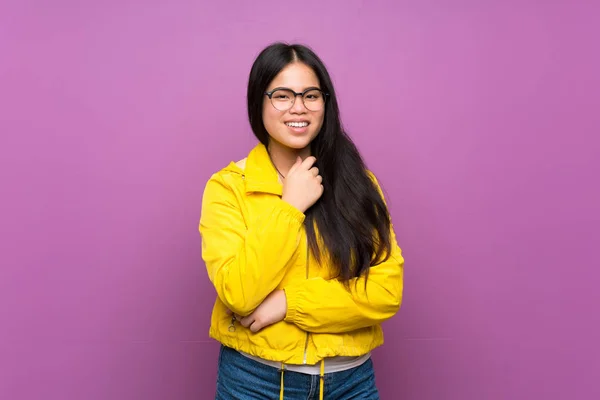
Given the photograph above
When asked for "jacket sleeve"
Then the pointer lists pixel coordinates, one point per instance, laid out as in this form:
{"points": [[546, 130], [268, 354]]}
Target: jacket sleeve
{"points": [[327, 306], [245, 260]]}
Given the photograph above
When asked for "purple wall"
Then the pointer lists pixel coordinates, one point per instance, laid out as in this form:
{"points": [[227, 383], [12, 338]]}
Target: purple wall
{"points": [[480, 119]]}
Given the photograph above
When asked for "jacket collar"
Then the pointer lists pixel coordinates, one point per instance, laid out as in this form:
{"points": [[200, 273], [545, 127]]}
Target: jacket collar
{"points": [[261, 175]]}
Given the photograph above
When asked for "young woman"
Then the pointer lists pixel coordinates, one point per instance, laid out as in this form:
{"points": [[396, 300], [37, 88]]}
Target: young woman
{"points": [[299, 245]]}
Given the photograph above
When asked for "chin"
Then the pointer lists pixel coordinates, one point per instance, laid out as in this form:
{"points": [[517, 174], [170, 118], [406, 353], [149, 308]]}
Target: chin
{"points": [[297, 143]]}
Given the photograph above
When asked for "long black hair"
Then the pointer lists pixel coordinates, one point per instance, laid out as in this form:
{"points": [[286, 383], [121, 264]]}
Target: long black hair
{"points": [[351, 216]]}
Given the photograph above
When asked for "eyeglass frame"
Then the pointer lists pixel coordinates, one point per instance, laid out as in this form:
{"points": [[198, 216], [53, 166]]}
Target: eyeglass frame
{"points": [[270, 96]]}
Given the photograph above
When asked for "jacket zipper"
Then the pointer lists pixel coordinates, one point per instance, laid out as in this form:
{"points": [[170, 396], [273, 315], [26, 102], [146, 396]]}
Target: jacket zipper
{"points": [[306, 341]]}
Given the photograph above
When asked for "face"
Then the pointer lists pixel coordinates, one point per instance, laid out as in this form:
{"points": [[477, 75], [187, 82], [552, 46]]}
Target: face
{"points": [[298, 126]]}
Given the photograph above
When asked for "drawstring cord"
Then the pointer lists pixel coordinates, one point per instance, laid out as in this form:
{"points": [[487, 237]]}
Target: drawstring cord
{"points": [[281, 389], [321, 381]]}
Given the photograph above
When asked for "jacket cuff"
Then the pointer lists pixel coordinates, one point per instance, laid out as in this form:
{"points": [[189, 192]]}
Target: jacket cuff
{"points": [[291, 295], [292, 211]]}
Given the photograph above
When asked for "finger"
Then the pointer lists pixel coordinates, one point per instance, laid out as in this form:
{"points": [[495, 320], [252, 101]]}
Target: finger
{"points": [[296, 164], [247, 321], [255, 327], [315, 171], [308, 162], [319, 179]]}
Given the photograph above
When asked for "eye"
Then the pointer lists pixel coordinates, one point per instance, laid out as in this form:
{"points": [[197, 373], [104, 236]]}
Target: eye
{"points": [[313, 95], [282, 95]]}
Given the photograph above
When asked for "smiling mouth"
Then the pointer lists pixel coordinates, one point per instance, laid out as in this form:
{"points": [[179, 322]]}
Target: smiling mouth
{"points": [[297, 124]]}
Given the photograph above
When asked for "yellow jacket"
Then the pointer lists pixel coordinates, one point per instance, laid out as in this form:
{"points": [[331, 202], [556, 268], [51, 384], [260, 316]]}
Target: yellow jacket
{"points": [[254, 243]]}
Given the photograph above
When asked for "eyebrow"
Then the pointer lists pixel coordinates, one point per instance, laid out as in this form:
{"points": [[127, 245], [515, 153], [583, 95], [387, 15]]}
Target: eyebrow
{"points": [[287, 88]]}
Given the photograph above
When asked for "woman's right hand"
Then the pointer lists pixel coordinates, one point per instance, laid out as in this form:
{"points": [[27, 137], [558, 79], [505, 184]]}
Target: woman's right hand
{"points": [[303, 186]]}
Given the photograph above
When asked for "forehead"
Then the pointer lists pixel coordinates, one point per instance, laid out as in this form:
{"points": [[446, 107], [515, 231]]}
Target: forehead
{"points": [[296, 76]]}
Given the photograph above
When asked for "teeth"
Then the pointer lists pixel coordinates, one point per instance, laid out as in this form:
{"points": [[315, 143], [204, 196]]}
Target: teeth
{"points": [[297, 124]]}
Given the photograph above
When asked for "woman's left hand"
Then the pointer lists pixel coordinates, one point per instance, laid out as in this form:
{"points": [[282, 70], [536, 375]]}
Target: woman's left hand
{"points": [[270, 311]]}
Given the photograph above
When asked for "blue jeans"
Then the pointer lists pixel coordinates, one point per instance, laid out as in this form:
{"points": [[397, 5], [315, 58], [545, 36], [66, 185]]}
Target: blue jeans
{"points": [[241, 378]]}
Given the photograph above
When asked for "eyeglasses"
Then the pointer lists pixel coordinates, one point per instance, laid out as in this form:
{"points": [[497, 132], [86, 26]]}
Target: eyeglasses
{"points": [[283, 99]]}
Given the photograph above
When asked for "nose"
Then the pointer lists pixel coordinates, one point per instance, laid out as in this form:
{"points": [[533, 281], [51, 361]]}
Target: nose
{"points": [[298, 107]]}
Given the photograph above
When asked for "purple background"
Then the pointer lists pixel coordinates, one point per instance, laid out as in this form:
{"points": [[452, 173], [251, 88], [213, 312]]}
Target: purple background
{"points": [[480, 119]]}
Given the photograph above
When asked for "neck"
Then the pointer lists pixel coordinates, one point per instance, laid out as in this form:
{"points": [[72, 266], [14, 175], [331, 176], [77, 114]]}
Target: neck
{"points": [[284, 157]]}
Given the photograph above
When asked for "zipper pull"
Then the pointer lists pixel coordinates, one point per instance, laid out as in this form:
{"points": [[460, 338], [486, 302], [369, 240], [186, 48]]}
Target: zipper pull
{"points": [[232, 325]]}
